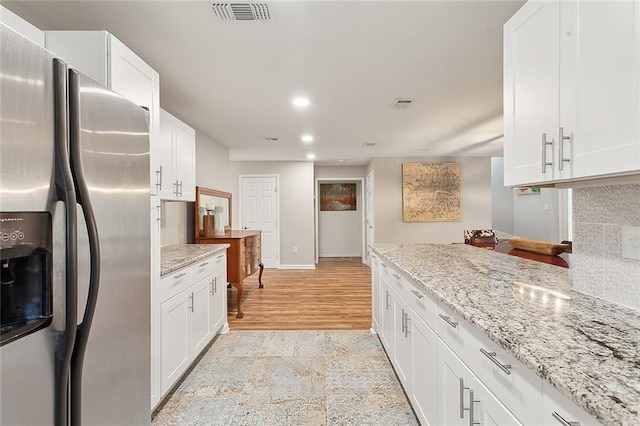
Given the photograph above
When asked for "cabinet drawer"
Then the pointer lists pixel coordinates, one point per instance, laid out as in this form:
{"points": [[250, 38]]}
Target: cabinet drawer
{"points": [[202, 268], [420, 301], [558, 407], [219, 261], [174, 283]]}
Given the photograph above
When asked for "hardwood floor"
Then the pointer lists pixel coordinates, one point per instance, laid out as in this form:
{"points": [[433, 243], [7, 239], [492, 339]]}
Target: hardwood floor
{"points": [[334, 296]]}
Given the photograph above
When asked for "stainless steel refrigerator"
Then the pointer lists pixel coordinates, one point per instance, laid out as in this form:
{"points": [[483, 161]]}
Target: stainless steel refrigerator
{"points": [[74, 246]]}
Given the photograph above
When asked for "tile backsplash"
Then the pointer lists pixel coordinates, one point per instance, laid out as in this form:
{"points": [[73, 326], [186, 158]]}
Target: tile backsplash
{"points": [[599, 213]]}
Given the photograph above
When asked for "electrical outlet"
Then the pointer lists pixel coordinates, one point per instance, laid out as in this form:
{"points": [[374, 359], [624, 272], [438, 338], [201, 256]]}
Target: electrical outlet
{"points": [[631, 242], [295, 249]]}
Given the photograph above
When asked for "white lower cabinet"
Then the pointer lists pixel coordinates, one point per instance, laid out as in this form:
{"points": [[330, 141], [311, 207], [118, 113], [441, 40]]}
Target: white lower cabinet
{"points": [[376, 292], [175, 340], [453, 374], [387, 317], [463, 399], [424, 390], [193, 309]]}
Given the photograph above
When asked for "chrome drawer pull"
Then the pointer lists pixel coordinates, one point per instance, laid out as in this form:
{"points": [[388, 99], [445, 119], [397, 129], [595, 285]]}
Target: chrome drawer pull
{"points": [[471, 402], [462, 389], [562, 421], [561, 140], [387, 305], [506, 368], [220, 257], [403, 323], [180, 275], [384, 265], [204, 264], [406, 325], [396, 276], [418, 294], [448, 320]]}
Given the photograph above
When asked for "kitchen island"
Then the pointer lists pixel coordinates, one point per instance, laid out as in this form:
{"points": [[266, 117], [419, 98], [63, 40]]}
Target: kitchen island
{"points": [[586, 348]]}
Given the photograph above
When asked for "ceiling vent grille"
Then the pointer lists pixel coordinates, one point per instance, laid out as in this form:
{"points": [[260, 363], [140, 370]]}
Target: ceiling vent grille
{"points": [[368, 144], [271, 139], [402, 103], [242, 11]]}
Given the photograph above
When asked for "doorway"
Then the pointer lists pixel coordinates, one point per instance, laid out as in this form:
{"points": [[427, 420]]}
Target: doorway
{"points": [[259, 207], [340, 233]]}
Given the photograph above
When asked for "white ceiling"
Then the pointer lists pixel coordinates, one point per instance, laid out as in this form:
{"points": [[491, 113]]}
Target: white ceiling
{"points": [[234, 81]]}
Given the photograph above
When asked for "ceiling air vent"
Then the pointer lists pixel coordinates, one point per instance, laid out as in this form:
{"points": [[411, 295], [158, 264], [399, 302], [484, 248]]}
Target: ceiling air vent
{"points": [[242, 11], [271, 139], [402, 103], [368, 144]]}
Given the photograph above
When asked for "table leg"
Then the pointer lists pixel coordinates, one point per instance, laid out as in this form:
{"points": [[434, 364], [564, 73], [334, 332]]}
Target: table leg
{"points": [[261, 265], [238, 287]]}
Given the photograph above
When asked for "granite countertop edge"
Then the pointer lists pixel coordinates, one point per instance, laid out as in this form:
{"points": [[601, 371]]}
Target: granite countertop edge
{"points": [[600, 398], [178, 256]]}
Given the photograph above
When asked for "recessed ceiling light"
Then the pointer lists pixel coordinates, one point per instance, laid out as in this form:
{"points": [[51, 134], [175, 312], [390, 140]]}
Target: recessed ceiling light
{"points": [[301, 102], [307, 138], [341, 160], [311, 156]]}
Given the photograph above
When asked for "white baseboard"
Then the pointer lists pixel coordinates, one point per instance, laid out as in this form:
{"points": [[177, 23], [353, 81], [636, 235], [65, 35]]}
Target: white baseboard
{"points": [[224, 329], [340, 255], [297, 266]]}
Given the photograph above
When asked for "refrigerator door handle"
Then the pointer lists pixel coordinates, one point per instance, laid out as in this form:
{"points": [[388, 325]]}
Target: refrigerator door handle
{"points": [[94, 248], [66, 193]]}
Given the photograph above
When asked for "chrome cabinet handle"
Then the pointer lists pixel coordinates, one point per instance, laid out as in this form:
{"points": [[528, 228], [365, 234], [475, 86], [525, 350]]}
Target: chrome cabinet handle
{"points": [[191, 297], [462, 389], [159, 178], [406, 325], [211, 288], [544, 153], [159, 208], [403, 323], [562, 421], [447, 318], [384, 265], [396, 276], [471, 402], [180, 275], [215, 285], [506, 368], [387, 300], [561, 140], [417, 294], [220, 257], [204, 264]]}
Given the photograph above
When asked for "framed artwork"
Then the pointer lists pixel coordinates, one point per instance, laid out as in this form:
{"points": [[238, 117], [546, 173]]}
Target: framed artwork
{"points": [[337, 197], [431, 192], [528, 191]]}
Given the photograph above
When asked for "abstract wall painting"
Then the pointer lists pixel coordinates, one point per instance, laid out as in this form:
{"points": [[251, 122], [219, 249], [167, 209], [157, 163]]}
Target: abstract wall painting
{"points": [[337, 197], [431, 192]]}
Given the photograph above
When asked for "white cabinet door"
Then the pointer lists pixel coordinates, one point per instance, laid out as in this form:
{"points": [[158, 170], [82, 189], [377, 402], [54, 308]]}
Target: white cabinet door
{"points": [[453, 388], [155, 213], [376, 292], [388, 319], [175, 338], [185, 161], [600, 96], [531, 92], [200, 315], [487, 409], [402, 341], [424, 389], [166, 181], [219, 294], [177, 159]]}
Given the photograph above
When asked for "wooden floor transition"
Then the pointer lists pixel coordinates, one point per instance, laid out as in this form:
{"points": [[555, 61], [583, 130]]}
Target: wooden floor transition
{"points": [[334, 296]]}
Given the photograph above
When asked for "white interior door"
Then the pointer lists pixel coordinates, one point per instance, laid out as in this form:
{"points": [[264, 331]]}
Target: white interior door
{"points": [[259, 210]]}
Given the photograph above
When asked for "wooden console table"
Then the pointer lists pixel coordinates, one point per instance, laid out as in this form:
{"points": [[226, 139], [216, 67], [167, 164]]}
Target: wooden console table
{"points": [[243, 258]]}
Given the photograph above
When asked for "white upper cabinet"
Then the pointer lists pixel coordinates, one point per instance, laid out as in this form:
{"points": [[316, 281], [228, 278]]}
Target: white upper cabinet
{"points": [[104, 58], [572, 91], [177, 159], [531, 91]]}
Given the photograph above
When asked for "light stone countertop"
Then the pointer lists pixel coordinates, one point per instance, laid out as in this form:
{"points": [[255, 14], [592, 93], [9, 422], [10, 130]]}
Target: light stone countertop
{"points": [[178, 256], [587, 348]]}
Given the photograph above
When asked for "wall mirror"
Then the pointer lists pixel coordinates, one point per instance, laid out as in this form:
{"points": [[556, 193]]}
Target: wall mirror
{"points": [[210, 202]]}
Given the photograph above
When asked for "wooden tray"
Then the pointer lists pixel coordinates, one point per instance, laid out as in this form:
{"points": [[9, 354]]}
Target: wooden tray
{"points": [[535, 246]]}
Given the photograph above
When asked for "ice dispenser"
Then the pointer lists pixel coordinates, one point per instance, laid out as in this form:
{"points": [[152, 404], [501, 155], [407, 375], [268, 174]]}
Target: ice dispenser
{"points": [[25, 273]]}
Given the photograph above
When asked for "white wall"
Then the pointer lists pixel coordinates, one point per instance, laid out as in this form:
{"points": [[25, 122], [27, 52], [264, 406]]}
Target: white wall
{"points": [[340, 171], [537, 216], [340, 232], [296, 206], [476, 202], [501, 200]]}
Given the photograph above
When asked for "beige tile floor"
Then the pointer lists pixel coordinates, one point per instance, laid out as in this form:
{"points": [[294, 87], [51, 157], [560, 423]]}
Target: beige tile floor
{"points": [[290, 378]]}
